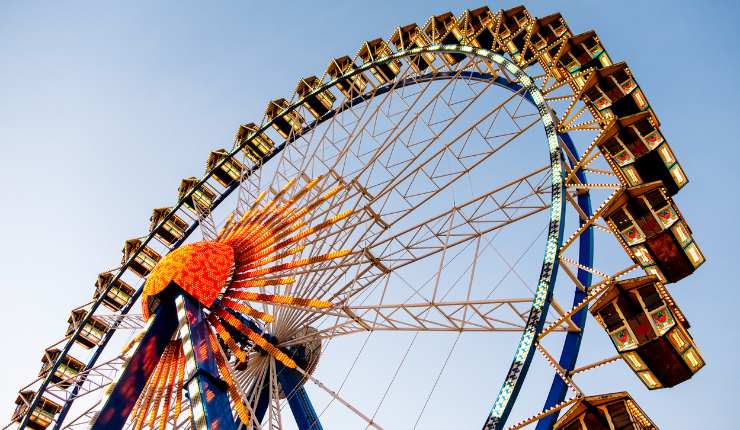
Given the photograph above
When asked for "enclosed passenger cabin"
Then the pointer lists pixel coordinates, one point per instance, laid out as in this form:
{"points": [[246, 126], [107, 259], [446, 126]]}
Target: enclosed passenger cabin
{"points": [[68, 368], [41, 416], [283, 124], [478, 27], [225, 170], [256, 145], [443, 30], [374, 49], [653, 231], [513, 30], [615, 411], [117, 296], [410, 37], [637, 148], [171, 230], [649, 331], [318, 104], [578, 53], [92, 331], [611, 92], [351, 86], [142, 262], [197, 198], [545, 33]]}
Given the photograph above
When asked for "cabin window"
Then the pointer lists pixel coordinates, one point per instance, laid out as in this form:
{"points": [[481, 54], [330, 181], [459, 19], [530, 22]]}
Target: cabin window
{"points": [[538, 41], [592, 46], [693, 360], [649, 379], [681, 233], [628, 228], [694, 254], [146, 260], [620, 333], [558, 29], [678, 175], [92, 332], [666, 155], [653, 270], [634, 361], [611, 318], [172, 228], [201, 199], [616, 149], [651, 138], [661, 208], [650, 297], [230, 169], [571, 62], [678, 340], [631, 174], [619, 416], [598, 98], [118, 295]]}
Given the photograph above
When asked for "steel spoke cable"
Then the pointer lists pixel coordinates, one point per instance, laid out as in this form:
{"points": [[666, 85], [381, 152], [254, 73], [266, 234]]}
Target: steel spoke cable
{"points": [[436, 379]]}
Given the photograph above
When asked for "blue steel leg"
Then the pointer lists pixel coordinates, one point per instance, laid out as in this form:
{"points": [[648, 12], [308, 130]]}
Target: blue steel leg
{"points": [[207, 391], [303, 411], [572, 344], [145, 358]]}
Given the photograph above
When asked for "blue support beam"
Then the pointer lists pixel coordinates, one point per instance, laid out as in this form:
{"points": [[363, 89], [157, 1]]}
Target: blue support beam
{"points": [[300, 405], [572, 344], [208, 393], [134, 376]]}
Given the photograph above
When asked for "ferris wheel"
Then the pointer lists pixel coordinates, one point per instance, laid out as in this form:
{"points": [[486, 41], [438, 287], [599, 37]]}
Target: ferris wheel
{"points": [[407, 240]]}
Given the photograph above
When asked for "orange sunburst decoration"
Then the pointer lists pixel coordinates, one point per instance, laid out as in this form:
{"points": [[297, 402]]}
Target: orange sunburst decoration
{"points": [[249, 252]]}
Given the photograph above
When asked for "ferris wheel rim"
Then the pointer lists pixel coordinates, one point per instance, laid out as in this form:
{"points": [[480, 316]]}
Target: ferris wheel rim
{"points": [[462, 49]]}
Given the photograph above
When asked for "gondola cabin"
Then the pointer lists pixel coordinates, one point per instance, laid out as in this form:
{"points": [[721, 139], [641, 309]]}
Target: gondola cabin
{"points": [[170, 231], [141, 262], [653, 232], [636, 148], [117, 296], [351, 86], [68, 368], [649, 331], [285, 125], [611, 92], [41, 416], [443, 30], [317, 104], [256, 145], [578, 53], [513, 30], [375, 49], [605, 412], [92, 332], [478, 27], [546, 32], [196, 197], [410, 37], [225, 170]]}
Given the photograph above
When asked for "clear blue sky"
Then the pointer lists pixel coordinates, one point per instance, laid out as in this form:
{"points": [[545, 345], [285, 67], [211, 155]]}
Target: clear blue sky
{"points": [[105, 108]]}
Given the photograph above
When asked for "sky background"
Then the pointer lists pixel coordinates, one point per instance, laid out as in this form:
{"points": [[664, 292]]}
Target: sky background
{"points": [[103, 110]]}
